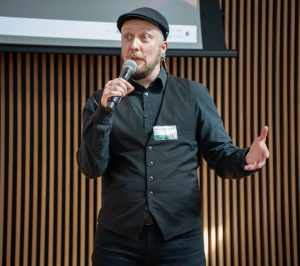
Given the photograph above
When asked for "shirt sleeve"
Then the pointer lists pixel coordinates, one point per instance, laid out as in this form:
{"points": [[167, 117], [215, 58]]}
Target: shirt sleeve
{"points": [[215, 144], [93, 153]]}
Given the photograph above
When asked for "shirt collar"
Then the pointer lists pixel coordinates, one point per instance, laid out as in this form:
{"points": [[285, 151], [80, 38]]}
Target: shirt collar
{"points": [[162, 75], [158, 83]]}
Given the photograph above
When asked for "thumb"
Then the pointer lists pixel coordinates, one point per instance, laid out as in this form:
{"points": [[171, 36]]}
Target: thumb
{"points": [[264, 133]]}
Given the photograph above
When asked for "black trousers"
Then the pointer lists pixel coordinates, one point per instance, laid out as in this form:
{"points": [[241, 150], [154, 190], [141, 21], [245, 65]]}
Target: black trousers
{"points": [[111, 249]]}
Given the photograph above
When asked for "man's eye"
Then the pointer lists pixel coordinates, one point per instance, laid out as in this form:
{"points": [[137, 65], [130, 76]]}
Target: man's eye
{"points": [[145, 37], [128, 37]]}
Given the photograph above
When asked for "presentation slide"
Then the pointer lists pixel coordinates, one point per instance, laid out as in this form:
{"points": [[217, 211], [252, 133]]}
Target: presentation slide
{"points": [[92, 23]]}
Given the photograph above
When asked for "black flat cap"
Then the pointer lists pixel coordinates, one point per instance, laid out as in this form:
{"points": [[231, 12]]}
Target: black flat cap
{"points": [[148, 14]]}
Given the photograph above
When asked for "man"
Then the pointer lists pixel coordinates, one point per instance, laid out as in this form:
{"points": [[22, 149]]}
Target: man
{"points": [[147, 152]]}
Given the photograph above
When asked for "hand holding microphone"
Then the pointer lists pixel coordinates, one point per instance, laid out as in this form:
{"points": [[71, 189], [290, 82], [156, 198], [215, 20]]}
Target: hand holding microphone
{"points": [[115, 89]]}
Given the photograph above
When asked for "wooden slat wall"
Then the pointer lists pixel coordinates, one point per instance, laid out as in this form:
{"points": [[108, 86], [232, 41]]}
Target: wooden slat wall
{"points": [[48, 209]]}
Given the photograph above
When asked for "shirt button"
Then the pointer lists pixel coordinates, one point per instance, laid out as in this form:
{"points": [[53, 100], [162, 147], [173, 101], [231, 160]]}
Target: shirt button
{"points": [[150, 178], [150, 193], [150, 163], [146, 208], [146, 93], [150, 148], [146, 116]]}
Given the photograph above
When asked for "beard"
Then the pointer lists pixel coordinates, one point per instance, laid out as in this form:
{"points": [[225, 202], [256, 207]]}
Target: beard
{"points": [[147, 69], [143, 73]]}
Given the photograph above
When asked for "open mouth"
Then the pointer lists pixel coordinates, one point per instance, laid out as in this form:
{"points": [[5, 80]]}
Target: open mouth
{"points": [[138, 61]]}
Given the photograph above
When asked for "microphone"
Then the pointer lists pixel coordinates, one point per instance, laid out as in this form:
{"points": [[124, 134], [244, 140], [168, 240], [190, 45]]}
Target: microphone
{"points": [[128, 69]]}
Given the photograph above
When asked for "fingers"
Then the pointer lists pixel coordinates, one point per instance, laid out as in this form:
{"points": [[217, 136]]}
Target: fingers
{"points": [[256, 160], [264, 133], [258, 153], [116, 87], [256, 165]]}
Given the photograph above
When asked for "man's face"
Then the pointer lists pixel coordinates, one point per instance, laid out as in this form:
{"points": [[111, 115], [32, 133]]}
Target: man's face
{"points": [[142, 42]]}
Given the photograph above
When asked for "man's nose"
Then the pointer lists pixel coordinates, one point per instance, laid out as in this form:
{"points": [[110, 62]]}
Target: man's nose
{"points": [[135, 44]]}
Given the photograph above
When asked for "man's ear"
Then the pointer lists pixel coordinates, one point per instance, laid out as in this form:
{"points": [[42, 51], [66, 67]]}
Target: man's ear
{"points": [[164, 47]]}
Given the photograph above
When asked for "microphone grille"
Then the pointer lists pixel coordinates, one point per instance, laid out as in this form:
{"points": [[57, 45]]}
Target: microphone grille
{"points": [[131, 64]]}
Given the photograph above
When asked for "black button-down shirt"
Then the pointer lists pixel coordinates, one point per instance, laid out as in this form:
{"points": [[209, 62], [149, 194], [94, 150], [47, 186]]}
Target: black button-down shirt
{"points": [[147, 102]]}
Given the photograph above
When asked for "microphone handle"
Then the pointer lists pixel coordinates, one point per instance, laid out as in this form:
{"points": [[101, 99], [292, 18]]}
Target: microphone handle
{"points": [[112, 103], [126, 73]]}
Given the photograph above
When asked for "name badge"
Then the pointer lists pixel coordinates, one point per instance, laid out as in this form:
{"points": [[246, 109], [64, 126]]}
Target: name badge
{"points": [[165, 132]]}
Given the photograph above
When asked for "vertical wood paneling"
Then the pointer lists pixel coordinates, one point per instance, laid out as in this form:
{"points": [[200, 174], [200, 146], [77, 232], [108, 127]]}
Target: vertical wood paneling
{"points": [[83, 182], [50, 212], [232, 253], [48, 209], [44, 171], [11, 161], [255, 117], [74, 178], [58, 161], [262, 186], [292, 131], [27, 175], [219, 184], [242, 247], [2, 152], [67, 172], [18, 96], [278, 133], [270, 107], [286, 213]]}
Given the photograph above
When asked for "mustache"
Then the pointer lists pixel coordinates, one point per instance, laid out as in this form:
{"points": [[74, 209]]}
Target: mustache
{"points": [[136, 57]]}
